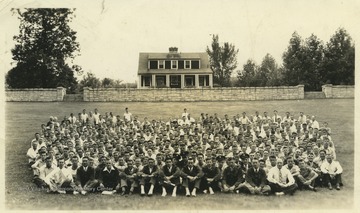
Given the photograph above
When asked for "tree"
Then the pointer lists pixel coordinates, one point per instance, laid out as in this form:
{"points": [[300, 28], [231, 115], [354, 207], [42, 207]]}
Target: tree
{"points": [[44, 50], [268, 73], [313, 52], [222, 61], [111, 83], [339, 59], [247, 76], [292, 61], [89, 80]]}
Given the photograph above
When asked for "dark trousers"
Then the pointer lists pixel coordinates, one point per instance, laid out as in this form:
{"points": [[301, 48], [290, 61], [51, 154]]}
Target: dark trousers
{"points": [[287, 190], [334, 181]]}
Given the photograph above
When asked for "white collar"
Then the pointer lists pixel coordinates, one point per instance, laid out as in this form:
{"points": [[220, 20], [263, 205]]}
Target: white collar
{"points": [[106, 169]]}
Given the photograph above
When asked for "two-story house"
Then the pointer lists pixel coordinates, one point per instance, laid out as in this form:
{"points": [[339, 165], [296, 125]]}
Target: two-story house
{"points": [[174, 70]]}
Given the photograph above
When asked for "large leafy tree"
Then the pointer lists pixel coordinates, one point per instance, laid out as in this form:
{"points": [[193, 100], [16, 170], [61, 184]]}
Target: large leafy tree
{"points": [[247, 76], [222, 61], [44, 50], [269, 74], [313, 52], [339, 59], [292, 61]]}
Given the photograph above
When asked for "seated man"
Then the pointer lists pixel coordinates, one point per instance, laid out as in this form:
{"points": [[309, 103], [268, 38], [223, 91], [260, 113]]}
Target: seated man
{"points": [[232, 178], [129, 181], [149, 176], [332, 171], [306, 177], [280, 180], [255, 180], [294, 169], [32, 152], [43, 179], [85, 177], [61, 179], [191, 177], [169, 177], [109, 178], [39, 163], [211, 176]]}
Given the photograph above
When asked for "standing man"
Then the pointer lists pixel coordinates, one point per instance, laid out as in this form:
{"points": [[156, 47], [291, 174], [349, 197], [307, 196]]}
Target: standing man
{"points": [[280, 180], [127, 115]]}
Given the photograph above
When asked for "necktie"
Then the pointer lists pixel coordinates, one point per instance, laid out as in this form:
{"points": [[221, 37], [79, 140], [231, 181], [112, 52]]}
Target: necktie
{"points": [[280, 176]]}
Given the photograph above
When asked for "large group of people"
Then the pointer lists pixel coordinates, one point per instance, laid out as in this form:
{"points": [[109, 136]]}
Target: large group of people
{"points": [[263, 154]]}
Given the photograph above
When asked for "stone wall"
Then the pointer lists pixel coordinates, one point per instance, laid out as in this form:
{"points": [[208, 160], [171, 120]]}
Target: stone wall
{"points": [[214, 94], [36, 94], [338, 91]]}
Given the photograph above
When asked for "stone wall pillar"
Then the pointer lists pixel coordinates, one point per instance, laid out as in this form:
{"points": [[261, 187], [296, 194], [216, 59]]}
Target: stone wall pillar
{"points": [[301, 92]]}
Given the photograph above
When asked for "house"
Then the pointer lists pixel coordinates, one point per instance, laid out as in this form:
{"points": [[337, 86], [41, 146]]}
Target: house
{"points": [[174, 70]]}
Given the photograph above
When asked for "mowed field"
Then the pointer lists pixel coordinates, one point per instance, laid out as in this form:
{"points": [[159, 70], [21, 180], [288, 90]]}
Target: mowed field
{"points": [[24, 119]]}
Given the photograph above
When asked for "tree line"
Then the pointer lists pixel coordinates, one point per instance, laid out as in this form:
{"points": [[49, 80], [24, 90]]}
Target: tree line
{"points": [[46, 47], [305, 61]]}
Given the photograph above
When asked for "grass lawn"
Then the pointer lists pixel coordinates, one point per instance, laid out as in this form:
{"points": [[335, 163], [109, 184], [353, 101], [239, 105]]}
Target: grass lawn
{"points": [[24, 119]]}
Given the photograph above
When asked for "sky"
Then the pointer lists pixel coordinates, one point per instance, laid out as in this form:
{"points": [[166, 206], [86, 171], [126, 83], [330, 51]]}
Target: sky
{"points": [[111, 33]]}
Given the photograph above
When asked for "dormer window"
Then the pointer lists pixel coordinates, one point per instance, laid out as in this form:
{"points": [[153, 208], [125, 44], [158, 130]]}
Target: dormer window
{"points": [[174, 64], [161, 64], [187, 64]]}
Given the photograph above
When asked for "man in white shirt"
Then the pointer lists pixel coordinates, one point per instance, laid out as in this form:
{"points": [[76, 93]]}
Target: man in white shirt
{"points": [[280, 180], [302, 118], [127, 115], [314, 123], [61, 179], [32, 153], [185, 113], [331, 171]]}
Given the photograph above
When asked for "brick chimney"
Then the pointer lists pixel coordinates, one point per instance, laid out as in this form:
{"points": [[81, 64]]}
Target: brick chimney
{"points": [[173, 50]]}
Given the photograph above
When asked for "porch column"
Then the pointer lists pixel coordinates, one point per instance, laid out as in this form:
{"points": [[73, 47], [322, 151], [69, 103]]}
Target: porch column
{"points": [[139, 84], [182, 81], [167, 80], [211, 81], [153, 81], [196, 80]]}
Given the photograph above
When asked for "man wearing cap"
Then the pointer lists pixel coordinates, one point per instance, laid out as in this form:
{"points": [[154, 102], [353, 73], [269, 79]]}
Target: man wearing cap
{"points": [[280, 180]]}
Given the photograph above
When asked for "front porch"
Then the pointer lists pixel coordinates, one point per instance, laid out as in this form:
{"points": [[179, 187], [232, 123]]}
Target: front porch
{"points": [[175, 81]]}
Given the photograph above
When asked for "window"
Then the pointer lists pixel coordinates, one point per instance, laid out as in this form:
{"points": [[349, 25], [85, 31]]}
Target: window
{"points": [[174, 64], [195, 64], [161, 64], [187, 64], [146, 81], [153, 64], [204, 80]]}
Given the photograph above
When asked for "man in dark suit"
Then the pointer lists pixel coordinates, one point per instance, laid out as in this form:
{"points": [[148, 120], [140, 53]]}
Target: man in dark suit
{"points": [[191, 177], [85, 177], [211, 176], [232, 177], [169, 177], [255, 180], [149, 176], [109, 178]]}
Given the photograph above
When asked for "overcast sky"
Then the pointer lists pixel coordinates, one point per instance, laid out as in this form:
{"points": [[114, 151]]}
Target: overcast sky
{"points": [[111, 33]]}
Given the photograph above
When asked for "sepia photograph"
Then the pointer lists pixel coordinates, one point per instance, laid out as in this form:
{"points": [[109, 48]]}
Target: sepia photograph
{"points": [[179, 105]]}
